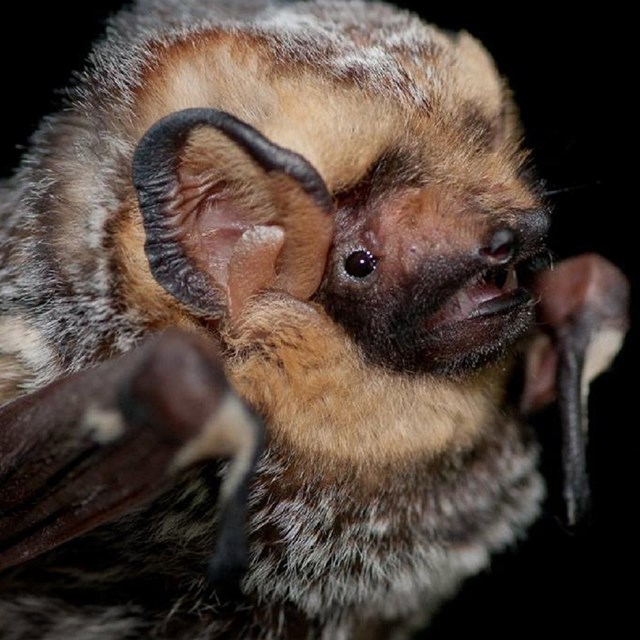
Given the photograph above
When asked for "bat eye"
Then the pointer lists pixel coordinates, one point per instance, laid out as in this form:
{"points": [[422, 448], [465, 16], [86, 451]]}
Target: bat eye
{"points": [[360, 263]]}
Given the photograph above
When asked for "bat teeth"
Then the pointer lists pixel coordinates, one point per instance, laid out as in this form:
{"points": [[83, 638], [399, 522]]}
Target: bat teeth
{"points": [[487, 286], [505, 279], [511, 280]]}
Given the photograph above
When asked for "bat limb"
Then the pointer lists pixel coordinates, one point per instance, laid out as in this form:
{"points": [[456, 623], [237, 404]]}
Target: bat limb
{"points": [[90, 447], [584, 315]]}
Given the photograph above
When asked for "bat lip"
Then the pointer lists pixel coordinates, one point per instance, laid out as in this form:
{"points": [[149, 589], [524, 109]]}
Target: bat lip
{"points": [[480, 337], [503, 304], [491, 291], [480, 320], [495, 311]]}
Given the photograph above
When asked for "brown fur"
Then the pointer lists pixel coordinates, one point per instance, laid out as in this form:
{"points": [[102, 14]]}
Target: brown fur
{"points": [[156, 306], [307, 111], [301, 371], [380, 489]]}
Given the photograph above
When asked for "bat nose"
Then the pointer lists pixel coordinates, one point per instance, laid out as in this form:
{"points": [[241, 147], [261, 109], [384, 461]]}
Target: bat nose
{"points": [[501, 247]]}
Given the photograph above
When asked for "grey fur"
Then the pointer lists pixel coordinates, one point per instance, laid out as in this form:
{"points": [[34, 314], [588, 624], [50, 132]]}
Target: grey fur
{"points": [[339, 569], [456, 513], [73, 178]]}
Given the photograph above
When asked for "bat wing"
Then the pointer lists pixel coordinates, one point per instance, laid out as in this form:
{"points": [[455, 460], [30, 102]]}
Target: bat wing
{"points": [[226, 213], [583, 314], [88, 448]]}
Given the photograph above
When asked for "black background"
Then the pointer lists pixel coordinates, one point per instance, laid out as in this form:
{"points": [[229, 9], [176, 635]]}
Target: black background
{"points": [[566, 75]]}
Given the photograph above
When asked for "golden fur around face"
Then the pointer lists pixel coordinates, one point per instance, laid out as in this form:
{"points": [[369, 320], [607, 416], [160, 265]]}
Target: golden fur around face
{"points": [[451, 114], [327, 191]]}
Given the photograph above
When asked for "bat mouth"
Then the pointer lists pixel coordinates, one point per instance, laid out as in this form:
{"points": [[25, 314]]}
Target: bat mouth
{"points": [[491, 293], [479, 321]]}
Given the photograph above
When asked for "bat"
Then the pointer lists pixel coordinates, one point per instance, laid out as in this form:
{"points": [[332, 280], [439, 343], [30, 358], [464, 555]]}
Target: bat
{"points": [[283, 264]]}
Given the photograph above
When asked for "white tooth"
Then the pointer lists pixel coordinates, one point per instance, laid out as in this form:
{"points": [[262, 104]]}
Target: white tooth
{"points": [[511, 282], [465, 303]]}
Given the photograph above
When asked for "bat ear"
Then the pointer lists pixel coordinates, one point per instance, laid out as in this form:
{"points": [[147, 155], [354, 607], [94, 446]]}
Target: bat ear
{"points": [[583, 311], [228, 213]]}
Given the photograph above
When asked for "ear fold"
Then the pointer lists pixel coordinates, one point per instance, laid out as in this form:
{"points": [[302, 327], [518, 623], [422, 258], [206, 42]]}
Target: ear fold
{"points": [[583, 310], [228, 213]]}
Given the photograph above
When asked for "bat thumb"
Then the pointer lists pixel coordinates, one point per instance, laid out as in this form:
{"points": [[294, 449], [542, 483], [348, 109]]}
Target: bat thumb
{"points": [[230, 560], [227, 567]]}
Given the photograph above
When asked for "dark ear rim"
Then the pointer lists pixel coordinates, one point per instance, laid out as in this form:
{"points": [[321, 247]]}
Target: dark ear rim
{"points": [[155, 178]]}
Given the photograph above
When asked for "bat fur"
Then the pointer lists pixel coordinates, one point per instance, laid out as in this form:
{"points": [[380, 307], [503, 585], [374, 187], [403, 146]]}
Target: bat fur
{"points": [[383, 486]]}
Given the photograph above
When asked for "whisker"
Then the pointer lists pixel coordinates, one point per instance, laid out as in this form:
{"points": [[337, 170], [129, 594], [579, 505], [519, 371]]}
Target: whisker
{"points": [[577, 187]]}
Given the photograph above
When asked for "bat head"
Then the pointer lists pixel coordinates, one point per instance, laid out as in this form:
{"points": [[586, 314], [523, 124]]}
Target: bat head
{"points": [[415, 228], [378, 179], [336, 193], [428, 279]]}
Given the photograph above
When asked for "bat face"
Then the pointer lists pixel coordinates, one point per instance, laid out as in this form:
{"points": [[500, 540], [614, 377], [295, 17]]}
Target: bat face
{"points": [[431, 229], [333, 194], [435, 241], [419, 297]]}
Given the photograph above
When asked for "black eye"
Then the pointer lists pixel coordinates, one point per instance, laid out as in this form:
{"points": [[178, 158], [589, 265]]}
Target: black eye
{"points": [[360, 263]]}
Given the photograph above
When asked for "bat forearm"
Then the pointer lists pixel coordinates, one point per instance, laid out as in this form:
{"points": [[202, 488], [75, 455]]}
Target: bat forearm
{"points": [[88, 447]]}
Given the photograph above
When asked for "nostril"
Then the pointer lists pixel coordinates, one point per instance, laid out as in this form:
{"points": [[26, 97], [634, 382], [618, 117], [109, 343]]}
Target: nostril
{"points": [[501, 247]]}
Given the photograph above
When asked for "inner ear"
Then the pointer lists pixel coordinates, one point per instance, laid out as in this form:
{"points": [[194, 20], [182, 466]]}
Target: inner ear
{"points": [[228, 213]]}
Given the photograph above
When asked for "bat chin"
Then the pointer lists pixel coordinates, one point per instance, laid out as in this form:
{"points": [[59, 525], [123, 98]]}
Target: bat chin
{"points": [[478, 323]]}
